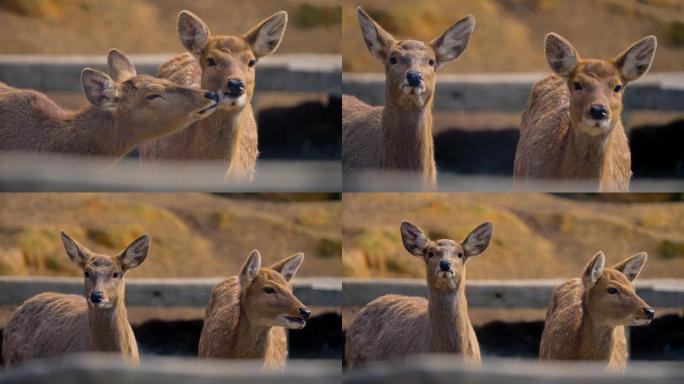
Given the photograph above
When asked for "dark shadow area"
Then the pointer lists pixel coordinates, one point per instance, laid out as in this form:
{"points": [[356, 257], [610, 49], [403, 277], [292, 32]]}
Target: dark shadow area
{"points": [[514, 339], [309, 130], [657, 151], [320, 339]]}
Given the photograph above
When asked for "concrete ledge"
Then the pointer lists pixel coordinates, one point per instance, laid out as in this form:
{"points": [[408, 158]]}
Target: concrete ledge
{"points": [[664, 293], [509, 92], [442, 369], [317, 291], [109, 369], [292, 73]]}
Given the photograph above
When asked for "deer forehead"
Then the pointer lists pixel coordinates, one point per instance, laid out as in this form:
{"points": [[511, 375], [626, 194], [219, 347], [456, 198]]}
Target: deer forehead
{"points": [[102, 263], [226, 46], [270, 277], [444, 246], [146, 83], [612, 277], [412, 48], [596, 69]]}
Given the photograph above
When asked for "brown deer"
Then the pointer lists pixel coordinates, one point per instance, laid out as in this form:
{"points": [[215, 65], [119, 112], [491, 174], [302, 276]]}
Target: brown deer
{"points": [[571, 129], [392, 326], [398, 136], [247, 314], [126, 109], [587, 315], [50, 325], [223, 64]]}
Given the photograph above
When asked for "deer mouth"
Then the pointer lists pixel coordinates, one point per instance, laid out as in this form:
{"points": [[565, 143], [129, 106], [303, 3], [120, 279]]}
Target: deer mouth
{"points": [[233, 100], [202, 113], [594, 127], [293, 322], [446, 279], [641, 322]]}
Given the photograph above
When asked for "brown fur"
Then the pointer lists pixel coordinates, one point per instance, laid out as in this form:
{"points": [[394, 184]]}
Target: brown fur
{"points": [[558, 139], [398, 136], [230, 134], [585, 322], [51, 325], [119, 118], [242, 321], [394, 327]]}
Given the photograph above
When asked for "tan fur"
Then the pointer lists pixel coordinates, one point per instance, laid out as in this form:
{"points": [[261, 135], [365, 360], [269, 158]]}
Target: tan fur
{"points": [[394, 327], [119, 118], [558, 139], [398, 136], [242, 321], [585, 322], [51, 325], [230, 134]]}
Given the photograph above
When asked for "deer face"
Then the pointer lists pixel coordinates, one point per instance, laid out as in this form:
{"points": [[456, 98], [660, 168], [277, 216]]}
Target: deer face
{"points": [[228, 61], [267, 297], [104, 275], [153, 106], [596, 86], [610, 297], [445, 259], [410, 65]]}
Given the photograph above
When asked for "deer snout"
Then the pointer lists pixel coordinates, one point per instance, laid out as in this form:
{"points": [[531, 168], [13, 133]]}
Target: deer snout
{"points": [[445, 265], [598, 112], [649, 312], [236, 87], [305, 313], [414, 78], [96, 297]]}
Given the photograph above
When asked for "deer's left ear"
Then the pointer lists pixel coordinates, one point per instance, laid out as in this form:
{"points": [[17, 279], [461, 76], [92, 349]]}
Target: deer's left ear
{"points": [[632, 266], [288, 266], [135, 253], [266, 36], [635, 61], [477, 241], [454, 41]]}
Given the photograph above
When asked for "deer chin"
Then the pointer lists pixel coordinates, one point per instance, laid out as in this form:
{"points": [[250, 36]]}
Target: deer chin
{"points": [[231, 102], [412, 96], [445, 280], [596, 127], [103, 305], [293, 322], [204, 112], [640, 322]]}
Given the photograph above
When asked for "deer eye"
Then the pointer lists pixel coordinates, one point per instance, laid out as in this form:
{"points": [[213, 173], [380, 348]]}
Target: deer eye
{"points": [[618, 88], [430, 253], [152, 97], [460, 255], [577, 86], [211, 62], [612, 290], [431, 62], [116, 275], [251, 63], [393, 60], [86, 274], [269, 290]]}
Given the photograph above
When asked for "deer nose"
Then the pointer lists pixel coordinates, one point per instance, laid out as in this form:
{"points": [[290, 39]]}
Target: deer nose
{"points": [[305, 313], [235, 87], [212, 96], [649, 312], [444, 265], [96, 297], [598, 111], [414, 78]]}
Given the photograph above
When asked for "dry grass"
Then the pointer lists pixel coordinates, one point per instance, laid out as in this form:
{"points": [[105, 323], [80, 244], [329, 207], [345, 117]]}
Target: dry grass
{"points": [[193, 235], [535, 235]]}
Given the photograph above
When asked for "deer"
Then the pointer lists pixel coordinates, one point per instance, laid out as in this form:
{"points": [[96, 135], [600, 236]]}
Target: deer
{"points": [[571, 129], [587, 315], [51, 325], [398, 135], [395, 327], [247, 314], [125, 110], [225, 65]]}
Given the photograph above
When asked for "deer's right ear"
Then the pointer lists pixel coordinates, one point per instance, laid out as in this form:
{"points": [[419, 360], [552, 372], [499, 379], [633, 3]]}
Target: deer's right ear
{"points": [[593, 270], [192, 32], [250, 269], [77, 253], [119, 66], [477, 241], [560, 54], [415, 242], [453, 42], [377, 39], [99, 89]]}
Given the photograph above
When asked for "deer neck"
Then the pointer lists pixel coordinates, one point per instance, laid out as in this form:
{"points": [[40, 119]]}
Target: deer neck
{"points": [[251, 339], [585, 156], [449, 322], [110, 330], [218, 135], [407, 143], [597, 340]]}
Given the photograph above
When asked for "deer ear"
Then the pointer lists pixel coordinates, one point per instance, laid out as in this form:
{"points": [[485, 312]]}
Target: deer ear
{"points": [[266, 36], [250, 269], [77, 253], [593, 270], [289, 265], [635, 61], [415, 242], [560, 54], [631, 267], [453, 42], [120, 66], [192, 32], [377, 39], [100, 90], [135, 253], [477, 241]]}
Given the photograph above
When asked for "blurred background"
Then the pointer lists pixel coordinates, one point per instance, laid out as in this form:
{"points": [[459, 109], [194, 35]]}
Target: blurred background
{"points": [[193, 236], [536, 236], [505, 55]]}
